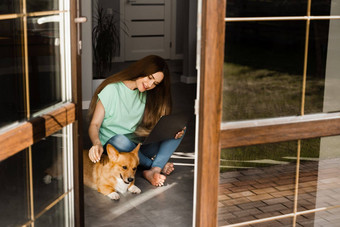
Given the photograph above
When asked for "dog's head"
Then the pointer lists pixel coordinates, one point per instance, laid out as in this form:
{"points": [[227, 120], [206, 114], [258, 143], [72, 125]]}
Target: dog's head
{"points": [[123, 164]]}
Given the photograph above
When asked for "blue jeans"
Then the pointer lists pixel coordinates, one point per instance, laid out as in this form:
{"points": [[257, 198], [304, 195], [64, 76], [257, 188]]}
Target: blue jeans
{"points": [[150, 155]]}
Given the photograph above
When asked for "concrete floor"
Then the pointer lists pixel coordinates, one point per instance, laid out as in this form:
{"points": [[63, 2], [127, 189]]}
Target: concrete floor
{"points": [[171, 204]]}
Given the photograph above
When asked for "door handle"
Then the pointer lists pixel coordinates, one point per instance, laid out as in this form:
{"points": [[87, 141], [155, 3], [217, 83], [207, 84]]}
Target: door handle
{"points": [[131, 1], [80, 20]]}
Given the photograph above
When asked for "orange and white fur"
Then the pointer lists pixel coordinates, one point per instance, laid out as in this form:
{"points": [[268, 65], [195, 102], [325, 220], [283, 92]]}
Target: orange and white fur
{"points": [[114, 173]]}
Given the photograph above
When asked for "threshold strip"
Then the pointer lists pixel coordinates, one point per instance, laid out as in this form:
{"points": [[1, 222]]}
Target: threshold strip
{"points": [[239, 19]]}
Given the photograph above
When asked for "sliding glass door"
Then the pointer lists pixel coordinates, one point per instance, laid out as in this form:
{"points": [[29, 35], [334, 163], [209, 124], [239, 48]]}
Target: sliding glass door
{"points": [[269, 114], [38, 120]]}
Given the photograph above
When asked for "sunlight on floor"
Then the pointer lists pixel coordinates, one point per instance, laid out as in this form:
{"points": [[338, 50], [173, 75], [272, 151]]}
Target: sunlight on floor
{"points": [[143, 197]]}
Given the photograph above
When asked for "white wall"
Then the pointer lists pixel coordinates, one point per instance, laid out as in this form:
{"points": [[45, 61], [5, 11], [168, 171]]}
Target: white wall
{"points": [[189, 61], [86, 56]]}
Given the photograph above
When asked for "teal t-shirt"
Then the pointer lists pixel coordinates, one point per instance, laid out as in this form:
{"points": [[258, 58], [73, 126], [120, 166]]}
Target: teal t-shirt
{"points": [[124, 109]]}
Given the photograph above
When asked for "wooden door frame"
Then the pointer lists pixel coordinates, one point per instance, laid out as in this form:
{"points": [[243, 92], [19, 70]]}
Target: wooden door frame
{"points": [[210, 111], [77, 125]]}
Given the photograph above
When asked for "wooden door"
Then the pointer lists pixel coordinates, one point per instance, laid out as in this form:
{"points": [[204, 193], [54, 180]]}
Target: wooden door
{"points": [[148, 28]]}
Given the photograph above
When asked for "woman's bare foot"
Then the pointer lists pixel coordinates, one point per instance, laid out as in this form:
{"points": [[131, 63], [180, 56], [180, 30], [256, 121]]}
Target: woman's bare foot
{"points": [[168, 168], [154, 176]]}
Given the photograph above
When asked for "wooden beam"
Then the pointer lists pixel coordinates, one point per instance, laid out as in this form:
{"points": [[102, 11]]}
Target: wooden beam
{"points": [[210, 110], [77, 126], [253, 135], [26, 134]]}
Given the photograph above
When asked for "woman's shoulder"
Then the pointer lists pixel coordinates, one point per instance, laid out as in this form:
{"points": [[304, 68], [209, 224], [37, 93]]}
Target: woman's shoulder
{"points": [[112, 87]]}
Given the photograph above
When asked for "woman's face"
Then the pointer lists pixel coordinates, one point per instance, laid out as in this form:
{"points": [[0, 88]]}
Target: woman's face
{"points": [[149, 82]]}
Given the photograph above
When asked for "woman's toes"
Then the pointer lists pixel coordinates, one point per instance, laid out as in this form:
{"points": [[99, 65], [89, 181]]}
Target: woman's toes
{"points": [[168, 168]]}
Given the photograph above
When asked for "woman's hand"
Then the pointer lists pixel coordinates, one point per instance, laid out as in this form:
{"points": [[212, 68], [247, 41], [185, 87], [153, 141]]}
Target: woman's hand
{"points": [[96, 152], [180, 133], [97, 149]]}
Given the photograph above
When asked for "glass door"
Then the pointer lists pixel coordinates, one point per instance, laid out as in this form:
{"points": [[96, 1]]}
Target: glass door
{"points": [[38, 120], [269, 71]]}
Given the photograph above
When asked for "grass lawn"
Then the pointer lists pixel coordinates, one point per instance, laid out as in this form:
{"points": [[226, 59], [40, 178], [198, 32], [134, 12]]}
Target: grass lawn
{"points": [[252, 93]]}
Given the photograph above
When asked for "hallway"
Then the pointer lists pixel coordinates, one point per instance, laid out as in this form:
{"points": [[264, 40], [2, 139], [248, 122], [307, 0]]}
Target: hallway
{"points": [[171, 204]]}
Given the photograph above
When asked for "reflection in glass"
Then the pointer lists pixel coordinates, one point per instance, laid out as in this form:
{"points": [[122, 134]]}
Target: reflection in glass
{"points": [[48, 182], [13, 191], [325, 7], [263, 69], [54, 217], [256, 182], [11, 72], [260, 8], [9, 6], [323, 77], [42, 5], [330, 217], [319, 182], [279, 222], [259, 182], [44, 62]]}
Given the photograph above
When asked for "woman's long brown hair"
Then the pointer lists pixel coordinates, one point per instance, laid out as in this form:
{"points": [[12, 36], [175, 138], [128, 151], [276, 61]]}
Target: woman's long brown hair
{"points": [[158, 99]]}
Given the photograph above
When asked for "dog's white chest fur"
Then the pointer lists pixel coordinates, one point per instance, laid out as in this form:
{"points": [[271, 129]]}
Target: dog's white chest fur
{"points": [[121, 186]]}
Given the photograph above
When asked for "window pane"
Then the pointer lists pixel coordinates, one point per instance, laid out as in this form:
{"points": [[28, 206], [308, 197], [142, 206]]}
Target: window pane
{"points": [[13, 191], [260, 8], [256, 182], [325, 7], [11, 72], [323, 80], [44, 62], [259, 182], [263, 69], [42, 5], [9, 6], [48, 172], [55, 217]]}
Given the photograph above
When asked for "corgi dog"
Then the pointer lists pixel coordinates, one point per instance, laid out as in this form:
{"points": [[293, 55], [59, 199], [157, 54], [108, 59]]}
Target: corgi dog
{"points": [[114, 173]]}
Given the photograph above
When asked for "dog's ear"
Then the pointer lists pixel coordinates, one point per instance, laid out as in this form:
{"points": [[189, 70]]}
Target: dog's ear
{"points": [[112, 152], [136, 149]]}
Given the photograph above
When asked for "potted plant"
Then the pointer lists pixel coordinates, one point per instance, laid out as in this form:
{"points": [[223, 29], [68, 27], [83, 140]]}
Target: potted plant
{"points": [[105, 41]]}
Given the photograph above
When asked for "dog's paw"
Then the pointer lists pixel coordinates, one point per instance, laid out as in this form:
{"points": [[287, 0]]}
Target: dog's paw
{"points": [[134, 189], [47, 179], [114, 195]]}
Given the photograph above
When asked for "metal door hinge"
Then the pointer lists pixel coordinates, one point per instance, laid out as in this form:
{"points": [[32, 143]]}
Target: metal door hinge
{"points": [[80, 45], [196, 108]]}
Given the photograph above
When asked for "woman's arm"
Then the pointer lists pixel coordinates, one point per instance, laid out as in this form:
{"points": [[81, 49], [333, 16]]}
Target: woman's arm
{"points": [[98, 116]]}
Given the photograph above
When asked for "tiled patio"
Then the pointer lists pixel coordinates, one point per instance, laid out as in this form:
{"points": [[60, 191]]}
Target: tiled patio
{"points": [[265, 192]]}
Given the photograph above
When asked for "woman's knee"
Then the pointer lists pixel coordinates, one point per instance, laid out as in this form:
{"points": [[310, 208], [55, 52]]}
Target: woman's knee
{"points": [[121, 143]]}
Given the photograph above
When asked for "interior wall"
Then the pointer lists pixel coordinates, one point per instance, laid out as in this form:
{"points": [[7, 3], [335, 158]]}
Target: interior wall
{"points": [[181, 21], [190, 43]]}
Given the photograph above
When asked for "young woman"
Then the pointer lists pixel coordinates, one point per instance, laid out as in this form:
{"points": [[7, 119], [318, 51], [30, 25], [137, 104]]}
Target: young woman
{"points": [[133, 100]]}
